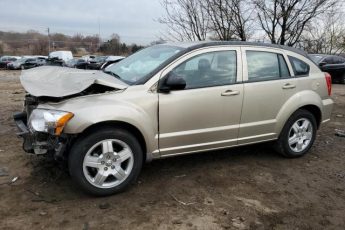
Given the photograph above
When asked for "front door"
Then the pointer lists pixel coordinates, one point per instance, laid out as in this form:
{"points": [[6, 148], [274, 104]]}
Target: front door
{"points": [[206, 114]]}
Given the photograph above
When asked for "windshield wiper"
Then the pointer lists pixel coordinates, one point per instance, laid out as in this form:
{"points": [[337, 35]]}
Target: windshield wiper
{"points": [[112, 74]]}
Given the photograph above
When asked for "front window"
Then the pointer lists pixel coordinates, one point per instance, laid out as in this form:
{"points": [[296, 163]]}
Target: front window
{"points": [[137, 67], [20, 61], [208, 69]]}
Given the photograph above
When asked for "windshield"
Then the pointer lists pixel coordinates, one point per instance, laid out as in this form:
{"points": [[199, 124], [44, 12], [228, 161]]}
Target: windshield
{"points": [[139, 65], [316, 57], [22, 60], [99, 59]]}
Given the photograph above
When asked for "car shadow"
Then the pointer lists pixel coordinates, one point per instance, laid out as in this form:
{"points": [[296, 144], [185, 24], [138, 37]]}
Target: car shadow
{"points": [[52, 178]]}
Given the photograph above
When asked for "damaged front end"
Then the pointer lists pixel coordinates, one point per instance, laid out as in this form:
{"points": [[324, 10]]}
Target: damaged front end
{"points": [[42, 129]]}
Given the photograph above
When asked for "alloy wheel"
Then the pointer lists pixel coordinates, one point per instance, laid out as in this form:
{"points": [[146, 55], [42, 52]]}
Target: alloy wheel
{"points": [[300, 135], [108, 163]]}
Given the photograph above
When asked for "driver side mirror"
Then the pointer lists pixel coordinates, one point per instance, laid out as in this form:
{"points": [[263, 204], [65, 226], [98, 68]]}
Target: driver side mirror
{"points": [[172, 82]]}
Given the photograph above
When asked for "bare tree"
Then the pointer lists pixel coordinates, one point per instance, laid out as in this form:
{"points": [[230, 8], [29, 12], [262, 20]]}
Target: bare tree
{"points": [[284, 21], [228, 19], [186, 20], [40, 47], [325, 35], [242, 19]]}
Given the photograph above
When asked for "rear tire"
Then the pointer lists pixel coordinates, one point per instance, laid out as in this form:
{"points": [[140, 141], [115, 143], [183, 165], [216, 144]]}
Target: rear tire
{"points": [[105, 162], [298, 134]]}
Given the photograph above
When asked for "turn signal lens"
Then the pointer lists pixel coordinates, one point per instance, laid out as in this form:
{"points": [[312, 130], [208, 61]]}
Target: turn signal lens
{"points": [[60, 124]]}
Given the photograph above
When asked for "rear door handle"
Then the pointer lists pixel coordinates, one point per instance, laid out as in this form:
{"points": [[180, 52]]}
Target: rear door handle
{"points": [[289, 86], [230, 93]]}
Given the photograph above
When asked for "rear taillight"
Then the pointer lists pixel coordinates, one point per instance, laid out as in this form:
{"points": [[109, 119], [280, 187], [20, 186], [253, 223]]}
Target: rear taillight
{"points": [[329, 83]]}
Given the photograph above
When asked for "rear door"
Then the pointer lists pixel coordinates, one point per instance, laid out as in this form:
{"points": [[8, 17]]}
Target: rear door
{"points": [[267, 86]]}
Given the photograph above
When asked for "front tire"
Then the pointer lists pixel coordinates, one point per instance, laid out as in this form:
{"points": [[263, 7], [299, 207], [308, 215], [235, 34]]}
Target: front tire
{"points": [[298, 134], [105, 162]]}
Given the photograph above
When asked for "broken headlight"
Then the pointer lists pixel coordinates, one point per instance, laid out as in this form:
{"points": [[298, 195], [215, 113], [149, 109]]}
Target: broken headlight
{"points": [[49, 121]]}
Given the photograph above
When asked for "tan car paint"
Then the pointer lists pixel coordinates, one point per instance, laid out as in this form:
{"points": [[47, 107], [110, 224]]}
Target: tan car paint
{"points": [[196, 120], [262, 102], [199, 119]]}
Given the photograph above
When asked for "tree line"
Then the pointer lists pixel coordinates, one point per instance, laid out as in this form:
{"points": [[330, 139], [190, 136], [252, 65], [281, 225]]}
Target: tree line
{"points": [[314, 25], [35, 43]]}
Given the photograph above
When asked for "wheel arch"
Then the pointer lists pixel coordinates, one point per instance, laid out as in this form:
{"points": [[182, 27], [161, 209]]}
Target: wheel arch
{"points": [[118, 125], [315, 110], [284, 116], [308, 100]]}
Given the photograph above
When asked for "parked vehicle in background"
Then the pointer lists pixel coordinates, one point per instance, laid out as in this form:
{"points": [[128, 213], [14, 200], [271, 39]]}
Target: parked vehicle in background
{"points": [[78, 63], [71, 63], [16, 64], [59, 58], [102, 62], [111, 60], [169, 100], [97, 62], [332, 64], [4, 60], [27, 63], [88, 58], [33, 62], [81, 64]]}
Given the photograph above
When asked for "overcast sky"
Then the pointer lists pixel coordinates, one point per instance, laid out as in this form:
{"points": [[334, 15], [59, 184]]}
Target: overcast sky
{"points": [[134, 20]]}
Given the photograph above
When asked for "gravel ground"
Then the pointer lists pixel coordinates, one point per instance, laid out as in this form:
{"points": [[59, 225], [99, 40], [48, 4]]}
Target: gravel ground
{"points": [[240, 188]]}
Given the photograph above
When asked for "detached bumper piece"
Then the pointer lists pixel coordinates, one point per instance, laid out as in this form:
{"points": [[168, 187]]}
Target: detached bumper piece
{"points": [[20, 118], [39, 143]]}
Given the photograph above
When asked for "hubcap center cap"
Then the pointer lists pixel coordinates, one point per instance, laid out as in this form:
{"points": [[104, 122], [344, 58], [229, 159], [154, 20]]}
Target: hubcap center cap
{"points": [[108, 163]]}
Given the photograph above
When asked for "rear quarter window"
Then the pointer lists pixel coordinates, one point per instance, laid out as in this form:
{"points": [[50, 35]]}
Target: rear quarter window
{"points": [[300, 68]]}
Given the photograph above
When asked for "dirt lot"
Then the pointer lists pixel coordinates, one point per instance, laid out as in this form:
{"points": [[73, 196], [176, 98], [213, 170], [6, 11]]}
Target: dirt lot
{"points": [[241, 188]]}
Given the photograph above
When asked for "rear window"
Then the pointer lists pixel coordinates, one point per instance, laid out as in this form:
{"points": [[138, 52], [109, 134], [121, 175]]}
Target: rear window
{"points": [[300, 68], [339, 60], [264, 66]]}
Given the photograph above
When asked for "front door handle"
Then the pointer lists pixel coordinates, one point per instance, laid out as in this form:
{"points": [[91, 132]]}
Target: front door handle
{"points": [[230, 93], [289, 86]]}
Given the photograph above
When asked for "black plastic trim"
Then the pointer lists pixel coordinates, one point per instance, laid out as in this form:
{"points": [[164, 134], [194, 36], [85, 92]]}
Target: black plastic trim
{"points": [[20, 120]]}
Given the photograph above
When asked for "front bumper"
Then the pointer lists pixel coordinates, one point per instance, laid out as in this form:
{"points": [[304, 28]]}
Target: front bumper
{"points": [[39, 143], [11, 67]]}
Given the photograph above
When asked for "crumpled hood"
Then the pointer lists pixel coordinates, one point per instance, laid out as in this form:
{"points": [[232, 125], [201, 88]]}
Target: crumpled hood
{"points": [[53, 81]]}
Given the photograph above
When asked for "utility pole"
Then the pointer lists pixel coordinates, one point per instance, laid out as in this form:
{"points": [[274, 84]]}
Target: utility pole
{"points": [[48, 41], [99, 34]]}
